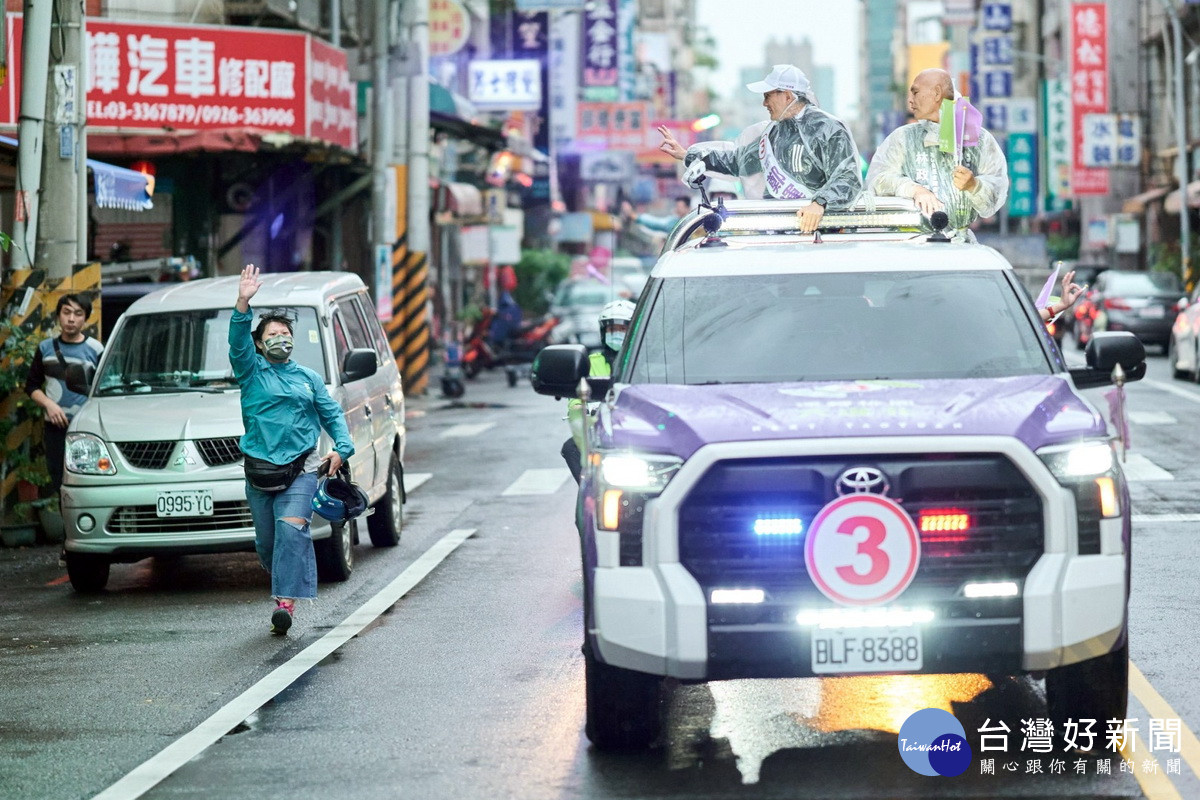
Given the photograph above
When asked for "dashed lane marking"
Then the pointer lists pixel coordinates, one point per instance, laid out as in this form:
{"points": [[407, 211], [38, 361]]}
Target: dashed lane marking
{"points": [[1151, 418], [147, 775], [1139, 468], [538, 481], [466, 429], [414, 479], [1161, 709], [1179, 391]]}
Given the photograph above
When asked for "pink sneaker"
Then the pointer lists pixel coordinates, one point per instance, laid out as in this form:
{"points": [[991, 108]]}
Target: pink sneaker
{"points": [[281, 619]]}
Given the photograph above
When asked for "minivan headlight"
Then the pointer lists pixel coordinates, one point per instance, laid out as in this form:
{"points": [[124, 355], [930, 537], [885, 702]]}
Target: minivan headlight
{"points": [[88, 455]]}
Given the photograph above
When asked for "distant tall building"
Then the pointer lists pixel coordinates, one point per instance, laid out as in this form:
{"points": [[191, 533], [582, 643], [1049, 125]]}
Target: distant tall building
{"points": [[881, 111]]}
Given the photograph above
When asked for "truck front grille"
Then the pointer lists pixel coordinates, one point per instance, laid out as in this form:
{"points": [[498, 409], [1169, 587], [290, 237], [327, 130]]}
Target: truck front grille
{"points": [[718, 545]]}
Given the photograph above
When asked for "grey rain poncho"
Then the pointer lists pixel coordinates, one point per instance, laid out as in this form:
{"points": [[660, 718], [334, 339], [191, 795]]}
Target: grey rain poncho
{"points": [[814, 148], [909, 157]]}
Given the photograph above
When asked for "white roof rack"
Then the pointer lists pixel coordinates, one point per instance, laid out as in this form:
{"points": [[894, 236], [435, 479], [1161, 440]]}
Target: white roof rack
{"points": [[891, 214]]}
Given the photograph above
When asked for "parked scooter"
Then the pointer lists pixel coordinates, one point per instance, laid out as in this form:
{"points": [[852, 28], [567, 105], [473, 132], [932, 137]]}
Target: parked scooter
{"points": [[515, 354]]}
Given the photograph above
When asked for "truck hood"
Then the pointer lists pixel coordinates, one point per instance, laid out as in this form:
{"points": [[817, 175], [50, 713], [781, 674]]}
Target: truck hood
{"points": [[162, 417], [1039, 410]]}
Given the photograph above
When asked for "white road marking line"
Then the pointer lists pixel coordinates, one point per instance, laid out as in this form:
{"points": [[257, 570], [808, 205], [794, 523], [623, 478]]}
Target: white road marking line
{"points": [[538, 481], [1139, 468], [1165, 518], [158, 767], [414, 479], [1176, 390], [466, 429], [1151, 418]]}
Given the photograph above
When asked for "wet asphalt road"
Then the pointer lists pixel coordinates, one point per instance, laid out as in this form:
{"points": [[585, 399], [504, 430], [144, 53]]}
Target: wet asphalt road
{"points": [[472, 684]]}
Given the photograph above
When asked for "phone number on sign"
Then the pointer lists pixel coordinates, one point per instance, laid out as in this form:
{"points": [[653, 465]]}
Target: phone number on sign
{"points": [[188, 113]]}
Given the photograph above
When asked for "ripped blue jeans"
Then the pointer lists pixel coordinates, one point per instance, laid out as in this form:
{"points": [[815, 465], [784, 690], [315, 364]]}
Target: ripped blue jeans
{"points": [[285, 549]]}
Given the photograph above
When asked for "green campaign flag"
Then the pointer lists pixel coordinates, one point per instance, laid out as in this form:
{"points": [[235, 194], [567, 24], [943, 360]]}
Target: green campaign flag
{"points": [[946, 127]]}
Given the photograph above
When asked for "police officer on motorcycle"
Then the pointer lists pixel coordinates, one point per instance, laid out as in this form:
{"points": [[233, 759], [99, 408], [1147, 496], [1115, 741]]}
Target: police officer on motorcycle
{"points": [[614, 324]]}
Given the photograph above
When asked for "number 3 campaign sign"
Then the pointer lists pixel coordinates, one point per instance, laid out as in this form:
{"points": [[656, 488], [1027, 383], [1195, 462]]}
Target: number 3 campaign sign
{"points": [[862, 550]]}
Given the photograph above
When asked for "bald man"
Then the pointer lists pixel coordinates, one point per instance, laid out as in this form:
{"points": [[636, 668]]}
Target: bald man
{"points": [[910, 164]]}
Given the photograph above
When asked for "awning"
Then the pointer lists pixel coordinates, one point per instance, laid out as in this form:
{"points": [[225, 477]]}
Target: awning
{"points": [[116, 187], [141, 145], [452, 113], [1193, 193], [460, 199], [1137, 204]]}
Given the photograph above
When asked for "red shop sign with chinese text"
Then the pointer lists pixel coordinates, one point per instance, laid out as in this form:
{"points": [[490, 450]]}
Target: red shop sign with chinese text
{"points": [[1089, 88], [200, 77]]}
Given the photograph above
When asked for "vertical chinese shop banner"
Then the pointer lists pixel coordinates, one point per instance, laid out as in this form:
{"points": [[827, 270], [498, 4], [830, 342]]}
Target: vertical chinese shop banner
{"points": [[1057, 138], [1089, 89], [600, 51]]}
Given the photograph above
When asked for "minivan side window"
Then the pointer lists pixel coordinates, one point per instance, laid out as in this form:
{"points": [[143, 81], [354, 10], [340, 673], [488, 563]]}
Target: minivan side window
{"points": [[352, 327], [370, 326]]}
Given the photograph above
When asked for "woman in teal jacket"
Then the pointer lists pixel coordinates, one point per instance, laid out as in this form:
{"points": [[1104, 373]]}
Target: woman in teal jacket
{"points": [[284, 407]]}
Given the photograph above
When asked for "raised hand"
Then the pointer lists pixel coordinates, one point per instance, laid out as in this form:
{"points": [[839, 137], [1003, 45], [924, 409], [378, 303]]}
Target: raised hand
{"points": [[669, 145], [248, 286]]}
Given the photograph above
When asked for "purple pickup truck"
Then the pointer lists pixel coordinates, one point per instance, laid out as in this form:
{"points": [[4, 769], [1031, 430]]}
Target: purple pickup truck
{"points": [[855, 453]]}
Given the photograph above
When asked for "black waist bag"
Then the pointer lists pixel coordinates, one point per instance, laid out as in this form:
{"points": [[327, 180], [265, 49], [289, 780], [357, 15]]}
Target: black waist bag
{"points": [[268, 477]]}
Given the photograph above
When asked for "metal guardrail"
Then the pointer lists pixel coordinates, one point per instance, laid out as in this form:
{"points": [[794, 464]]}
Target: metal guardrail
{"points": [[891, 214]]}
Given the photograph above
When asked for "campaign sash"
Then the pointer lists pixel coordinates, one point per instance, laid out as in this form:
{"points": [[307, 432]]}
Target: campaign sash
{"points": [[780, 183]]}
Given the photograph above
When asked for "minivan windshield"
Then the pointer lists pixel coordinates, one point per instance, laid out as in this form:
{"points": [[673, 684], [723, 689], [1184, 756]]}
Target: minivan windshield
{"points": [[184, 351], [834, 327]]}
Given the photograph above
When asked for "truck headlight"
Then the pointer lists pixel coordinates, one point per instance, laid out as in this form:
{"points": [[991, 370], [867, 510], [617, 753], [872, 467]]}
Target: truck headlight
{"points": [[87, 454], [648, 474], [623, 482], [1089, 470], [1084, 460]]}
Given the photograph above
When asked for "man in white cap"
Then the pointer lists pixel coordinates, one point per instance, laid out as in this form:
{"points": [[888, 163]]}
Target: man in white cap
{"points": [[911, 164], [802, 153]]}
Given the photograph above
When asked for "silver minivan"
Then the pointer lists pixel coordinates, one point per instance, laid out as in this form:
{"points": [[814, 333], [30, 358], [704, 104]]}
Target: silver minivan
{"points": [[153, 465]]}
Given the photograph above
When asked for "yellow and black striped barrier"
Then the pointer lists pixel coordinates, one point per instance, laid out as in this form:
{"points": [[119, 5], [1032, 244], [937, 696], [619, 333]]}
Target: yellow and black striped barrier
{"points": [[408, 329]]}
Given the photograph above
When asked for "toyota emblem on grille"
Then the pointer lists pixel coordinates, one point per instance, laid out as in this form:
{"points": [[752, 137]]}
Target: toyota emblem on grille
{"points": [[862, 480]]}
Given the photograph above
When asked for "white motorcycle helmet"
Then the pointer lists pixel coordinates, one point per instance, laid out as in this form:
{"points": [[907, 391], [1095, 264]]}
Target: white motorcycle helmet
{"points": [[618, 312]]}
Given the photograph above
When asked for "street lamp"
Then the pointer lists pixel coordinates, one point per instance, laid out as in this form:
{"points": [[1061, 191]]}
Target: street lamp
{"points": [[1181, 169]]}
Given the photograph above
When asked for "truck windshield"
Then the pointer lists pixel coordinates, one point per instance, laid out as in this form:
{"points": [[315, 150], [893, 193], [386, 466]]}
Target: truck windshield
{"points": [[834, 327], [184, 351]]}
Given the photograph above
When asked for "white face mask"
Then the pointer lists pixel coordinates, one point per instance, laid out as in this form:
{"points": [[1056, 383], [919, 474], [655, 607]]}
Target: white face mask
{"points": [[614, 339]]}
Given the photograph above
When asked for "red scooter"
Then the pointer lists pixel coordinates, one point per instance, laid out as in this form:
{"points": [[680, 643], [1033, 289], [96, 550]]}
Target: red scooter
{"points": [[519, 350]]}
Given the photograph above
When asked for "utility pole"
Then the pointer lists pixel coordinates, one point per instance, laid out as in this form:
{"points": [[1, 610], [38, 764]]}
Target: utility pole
{"points": [[1181, 163], [382, 122], [35, 58], [58, 234], [418, 349]]}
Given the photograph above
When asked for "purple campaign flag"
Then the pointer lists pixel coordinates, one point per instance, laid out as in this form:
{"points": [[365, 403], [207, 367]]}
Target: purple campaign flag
{"points": [[969, 121], [1043, 298], [1117, 416]]}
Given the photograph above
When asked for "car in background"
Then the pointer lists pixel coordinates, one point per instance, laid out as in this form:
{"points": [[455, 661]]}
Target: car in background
{"points": [[1142, 303], [1183, 351], [153, 461], [629, 274], [577, 304]]}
